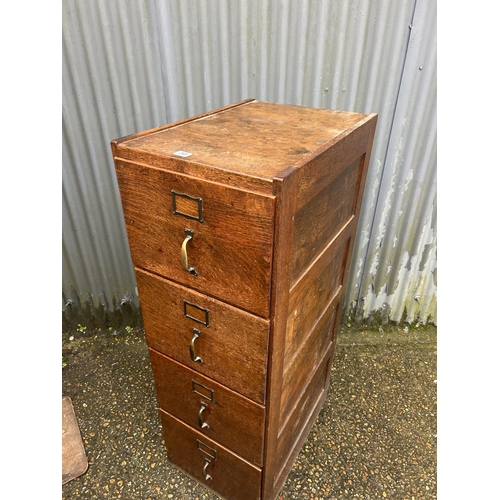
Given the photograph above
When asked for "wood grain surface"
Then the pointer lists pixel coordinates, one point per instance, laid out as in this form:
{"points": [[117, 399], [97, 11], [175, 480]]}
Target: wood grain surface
{"points": [[322, 217], [260, 139]]}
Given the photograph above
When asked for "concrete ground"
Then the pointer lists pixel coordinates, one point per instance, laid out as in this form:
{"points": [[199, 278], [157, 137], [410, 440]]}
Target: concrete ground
{"points": [[375, 437]]}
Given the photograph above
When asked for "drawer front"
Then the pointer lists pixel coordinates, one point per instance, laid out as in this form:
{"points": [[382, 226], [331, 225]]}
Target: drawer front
{"points": [[213, 338], [228, 243], [223, 415], [210, 463]]}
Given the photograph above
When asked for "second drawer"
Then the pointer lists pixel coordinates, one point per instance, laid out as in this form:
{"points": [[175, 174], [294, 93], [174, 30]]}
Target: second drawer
{"points": [[220, 341], [212, 409]]}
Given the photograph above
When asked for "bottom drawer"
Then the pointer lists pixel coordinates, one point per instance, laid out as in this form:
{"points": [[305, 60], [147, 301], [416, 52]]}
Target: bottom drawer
{"points": [[208, 462]]}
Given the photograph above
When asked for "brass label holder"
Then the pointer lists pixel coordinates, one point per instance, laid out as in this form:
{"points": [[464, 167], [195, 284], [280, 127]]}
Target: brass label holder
{"points": [[188, 310], [188, 203]]}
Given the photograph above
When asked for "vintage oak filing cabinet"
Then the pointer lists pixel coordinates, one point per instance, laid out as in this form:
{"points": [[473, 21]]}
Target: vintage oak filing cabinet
{"points": [[241, 224]]}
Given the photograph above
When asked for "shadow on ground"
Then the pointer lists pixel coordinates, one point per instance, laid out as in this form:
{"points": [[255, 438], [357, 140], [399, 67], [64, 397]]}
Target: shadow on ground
{"points": [[374, 438]]}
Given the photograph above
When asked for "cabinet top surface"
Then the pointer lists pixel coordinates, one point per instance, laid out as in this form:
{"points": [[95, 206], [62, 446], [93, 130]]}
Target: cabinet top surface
{"points": [[253, 138]]}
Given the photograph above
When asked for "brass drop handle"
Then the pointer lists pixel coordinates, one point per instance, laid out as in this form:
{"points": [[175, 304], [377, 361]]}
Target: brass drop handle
{"points": [[184, 256], [201, 423], [207, 476], [194, 357]]}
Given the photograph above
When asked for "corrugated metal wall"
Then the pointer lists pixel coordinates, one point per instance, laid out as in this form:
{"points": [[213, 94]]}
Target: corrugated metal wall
{"points": [[131, 65], [394, 271]]}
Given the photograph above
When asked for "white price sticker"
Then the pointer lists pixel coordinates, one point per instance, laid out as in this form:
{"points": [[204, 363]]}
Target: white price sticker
{"points": [[184, 154]]}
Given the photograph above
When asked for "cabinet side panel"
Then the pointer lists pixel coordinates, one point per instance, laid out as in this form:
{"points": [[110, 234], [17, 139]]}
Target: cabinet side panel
{"points": [[317, 222], [369, 128], [298, 372], [324, 168], [310, 297], [315, 333], [298, 426]]}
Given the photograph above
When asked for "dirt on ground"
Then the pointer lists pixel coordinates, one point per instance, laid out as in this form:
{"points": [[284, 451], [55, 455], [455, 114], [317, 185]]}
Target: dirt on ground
{"points": [[374, 438]]}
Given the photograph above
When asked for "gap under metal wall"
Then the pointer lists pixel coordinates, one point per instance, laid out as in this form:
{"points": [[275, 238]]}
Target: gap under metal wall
{"points": [[130, 66]]}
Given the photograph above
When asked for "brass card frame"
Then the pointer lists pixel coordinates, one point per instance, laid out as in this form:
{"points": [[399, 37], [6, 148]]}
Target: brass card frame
{"points": [[206, 311], [199, 445], [188, 216], [211, 391]]}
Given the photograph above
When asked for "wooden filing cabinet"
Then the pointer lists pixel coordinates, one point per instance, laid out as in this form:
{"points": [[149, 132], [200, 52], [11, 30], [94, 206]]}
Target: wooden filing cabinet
{"points": [[241, 224]]}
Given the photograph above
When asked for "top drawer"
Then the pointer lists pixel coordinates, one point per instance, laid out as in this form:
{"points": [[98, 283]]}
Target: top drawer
{"points": [[210, 237]]}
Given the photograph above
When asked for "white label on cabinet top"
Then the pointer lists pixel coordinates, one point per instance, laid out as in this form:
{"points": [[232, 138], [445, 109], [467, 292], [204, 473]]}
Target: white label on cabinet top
{"points": [[184, 154]]}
